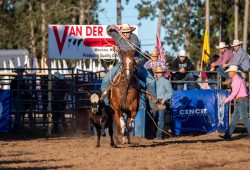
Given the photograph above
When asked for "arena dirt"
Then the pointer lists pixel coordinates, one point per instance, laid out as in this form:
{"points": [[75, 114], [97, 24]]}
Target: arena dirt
{"points": [[79, 152]]}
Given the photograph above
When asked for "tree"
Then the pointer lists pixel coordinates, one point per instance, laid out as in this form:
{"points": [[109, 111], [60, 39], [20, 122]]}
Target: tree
{"points": [[236, 18], [181, 21], [119, 14], [27, 21], [184, 23], [245, 24]]}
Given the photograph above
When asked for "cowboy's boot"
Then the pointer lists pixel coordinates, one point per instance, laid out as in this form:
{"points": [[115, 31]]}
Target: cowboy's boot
{"points": [[105, 92]]}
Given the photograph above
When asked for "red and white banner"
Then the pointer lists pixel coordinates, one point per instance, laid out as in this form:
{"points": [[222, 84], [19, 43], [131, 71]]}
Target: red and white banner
{"points": [[81, 42]]}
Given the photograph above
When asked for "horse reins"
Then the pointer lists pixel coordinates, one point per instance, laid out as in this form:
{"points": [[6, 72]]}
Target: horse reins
{"points": [[147, 57]]}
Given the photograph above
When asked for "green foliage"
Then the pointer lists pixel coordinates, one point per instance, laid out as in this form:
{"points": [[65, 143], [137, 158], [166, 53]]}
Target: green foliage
{"points": [[184, 23], [15, 19]]}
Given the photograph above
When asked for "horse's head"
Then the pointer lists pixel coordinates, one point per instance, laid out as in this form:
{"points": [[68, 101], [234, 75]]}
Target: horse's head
{"points": [[128, 64]]}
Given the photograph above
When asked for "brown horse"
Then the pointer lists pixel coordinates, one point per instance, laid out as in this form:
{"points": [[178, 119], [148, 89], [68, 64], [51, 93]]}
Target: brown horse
{"points": [[124, 96]]}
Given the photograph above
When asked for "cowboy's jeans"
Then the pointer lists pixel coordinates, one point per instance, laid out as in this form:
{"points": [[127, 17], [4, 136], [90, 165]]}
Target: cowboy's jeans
{"points": [[221, 71], [240, 110], [141, 73], [160, 123], [109, 76], [151, 87]]}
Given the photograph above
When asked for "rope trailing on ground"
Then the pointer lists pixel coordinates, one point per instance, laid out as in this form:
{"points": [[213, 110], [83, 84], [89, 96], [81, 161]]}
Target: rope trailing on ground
{"points": [[158, 126]]}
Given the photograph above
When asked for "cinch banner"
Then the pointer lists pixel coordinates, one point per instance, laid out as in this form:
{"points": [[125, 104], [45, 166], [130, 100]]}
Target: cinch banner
{"points": [[5, 110], [199, 111], [81, 42]]}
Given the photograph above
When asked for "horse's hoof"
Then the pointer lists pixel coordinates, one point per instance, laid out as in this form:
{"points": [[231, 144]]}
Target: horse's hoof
{"points": [[124, 140], [97, 145], [112, 144], [104, 134]]}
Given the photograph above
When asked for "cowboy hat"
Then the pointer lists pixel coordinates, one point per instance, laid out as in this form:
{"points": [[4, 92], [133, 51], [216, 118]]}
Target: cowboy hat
{"points": [[158, 69], [236, 43], [221, 45], [58, 75], [127, 28], [154, 54], [232, 68], [183, 53]]}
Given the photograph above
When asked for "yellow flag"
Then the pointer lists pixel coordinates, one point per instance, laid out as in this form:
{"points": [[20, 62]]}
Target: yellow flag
{"points": [[206, 48]]}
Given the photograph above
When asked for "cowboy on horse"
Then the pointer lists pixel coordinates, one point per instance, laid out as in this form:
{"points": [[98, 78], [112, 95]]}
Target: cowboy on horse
{"points": [[126, 41]]}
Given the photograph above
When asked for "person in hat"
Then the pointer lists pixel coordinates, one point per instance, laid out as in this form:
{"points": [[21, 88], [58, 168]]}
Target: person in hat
{"points": [[125, 40], [241, 57], [225, 56], [164, 92], [240, 94], [151, 64], [154, 61], [182, 64]]}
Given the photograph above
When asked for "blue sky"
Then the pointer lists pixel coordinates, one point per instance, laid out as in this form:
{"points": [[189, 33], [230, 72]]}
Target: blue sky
{"points": [[147, 30]]}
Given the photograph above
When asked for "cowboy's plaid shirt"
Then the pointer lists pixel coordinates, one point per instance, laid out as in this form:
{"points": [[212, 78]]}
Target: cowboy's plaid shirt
{"points": [[150, 64]]}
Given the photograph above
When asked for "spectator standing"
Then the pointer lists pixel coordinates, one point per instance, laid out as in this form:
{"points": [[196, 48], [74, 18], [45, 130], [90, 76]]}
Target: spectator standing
{"points": [[239, 93], [164, 92]]}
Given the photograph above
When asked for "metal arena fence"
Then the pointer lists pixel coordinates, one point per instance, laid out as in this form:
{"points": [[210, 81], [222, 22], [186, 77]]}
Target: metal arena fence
{"points": [[36, 105]]}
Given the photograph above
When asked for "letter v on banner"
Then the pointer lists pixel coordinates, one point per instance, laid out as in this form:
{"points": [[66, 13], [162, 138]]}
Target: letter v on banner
{"points": [[60, 44]]}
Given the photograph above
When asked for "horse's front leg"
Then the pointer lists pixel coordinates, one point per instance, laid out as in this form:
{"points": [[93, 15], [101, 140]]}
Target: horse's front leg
{"points": [[121, 125]]}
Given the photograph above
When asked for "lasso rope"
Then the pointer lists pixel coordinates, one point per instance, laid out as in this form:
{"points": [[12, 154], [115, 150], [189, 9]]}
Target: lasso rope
{"points": [[134, 46], [113, 82], [158, 126]]}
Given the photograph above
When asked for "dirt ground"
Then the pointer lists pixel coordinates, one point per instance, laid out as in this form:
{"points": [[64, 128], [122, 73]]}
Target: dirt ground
{"points": [[79, 152]]}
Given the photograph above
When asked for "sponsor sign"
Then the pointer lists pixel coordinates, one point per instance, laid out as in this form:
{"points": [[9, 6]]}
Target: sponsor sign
{"points": [[5, 110], [199, 111], [81, 42]]}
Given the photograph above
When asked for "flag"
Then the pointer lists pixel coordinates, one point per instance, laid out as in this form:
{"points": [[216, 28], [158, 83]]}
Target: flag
{"points": [[206, 48], [161, 56], [158, 47]]}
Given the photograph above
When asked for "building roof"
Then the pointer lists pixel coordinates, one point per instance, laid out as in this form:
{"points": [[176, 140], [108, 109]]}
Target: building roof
{"points": [[7, 53]]}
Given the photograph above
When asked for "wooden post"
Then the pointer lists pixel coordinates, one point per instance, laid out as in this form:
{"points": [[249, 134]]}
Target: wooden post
{"points": [[207, 19], [245, 30], [160, 18], [119, 15], [236, 16]]}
